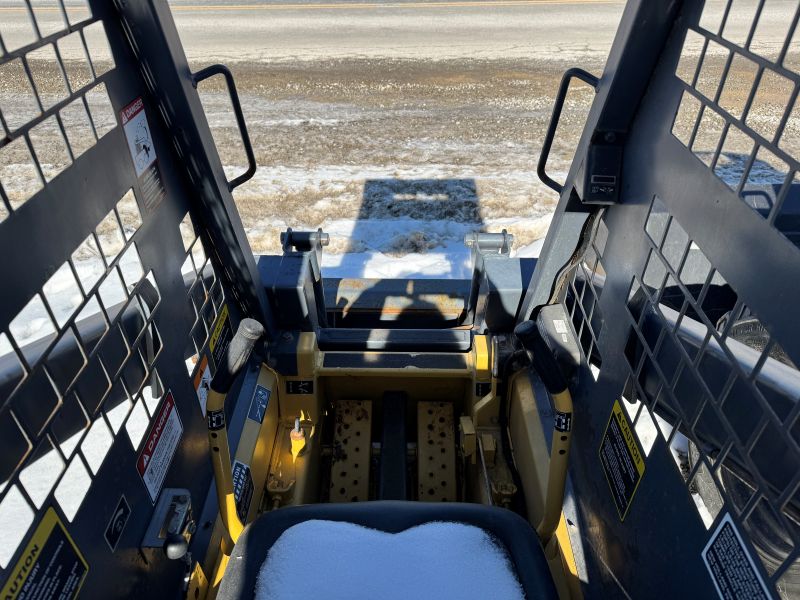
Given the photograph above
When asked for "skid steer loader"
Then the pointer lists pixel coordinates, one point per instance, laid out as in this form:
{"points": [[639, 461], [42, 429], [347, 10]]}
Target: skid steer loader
{"points": [[619, 417]]}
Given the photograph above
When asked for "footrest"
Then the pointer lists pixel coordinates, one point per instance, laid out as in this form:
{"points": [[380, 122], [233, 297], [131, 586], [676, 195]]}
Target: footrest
{"points": [[436, 452], [351, 451]]}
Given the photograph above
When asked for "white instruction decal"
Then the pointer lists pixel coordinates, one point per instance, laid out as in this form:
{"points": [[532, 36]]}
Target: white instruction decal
{"points": [[202, 383], [560, 325], [157, 452], [137, 132], [732, 569]]}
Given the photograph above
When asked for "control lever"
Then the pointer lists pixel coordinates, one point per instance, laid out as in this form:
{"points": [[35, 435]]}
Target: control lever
{"points": [[236, 356], [547, 367]]}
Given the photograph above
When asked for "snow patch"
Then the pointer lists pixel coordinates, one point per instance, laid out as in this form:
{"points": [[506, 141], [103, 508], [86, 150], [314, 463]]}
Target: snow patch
{"points": [[342, 560]]}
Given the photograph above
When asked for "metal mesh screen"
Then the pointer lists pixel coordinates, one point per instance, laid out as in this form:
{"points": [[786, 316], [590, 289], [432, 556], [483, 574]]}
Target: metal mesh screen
{"points": [[739, 113], [582, 295], [706, 368], [696, 363], [84, 326]]}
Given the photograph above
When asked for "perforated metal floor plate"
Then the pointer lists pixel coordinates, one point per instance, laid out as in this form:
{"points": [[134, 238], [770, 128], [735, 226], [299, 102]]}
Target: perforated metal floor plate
{"points": [[436, 464], [351, 451]]}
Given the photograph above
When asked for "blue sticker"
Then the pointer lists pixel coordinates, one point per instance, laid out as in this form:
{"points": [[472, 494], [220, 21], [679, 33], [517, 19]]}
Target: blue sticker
{"points": [[258, 406]]}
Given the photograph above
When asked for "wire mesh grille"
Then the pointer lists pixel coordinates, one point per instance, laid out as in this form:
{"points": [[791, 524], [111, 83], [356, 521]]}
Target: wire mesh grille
{"points": [[581, 298], [719, 388], [739, 113], [79, 361], [205, 292], [55, 105], [700, 368]]}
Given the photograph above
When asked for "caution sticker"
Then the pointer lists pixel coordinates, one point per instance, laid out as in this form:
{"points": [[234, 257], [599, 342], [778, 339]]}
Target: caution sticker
{"points": [[732, 569], [50, 567], [220, 336], [162, 441], [202, 383], [242, 489], [622, 460]]}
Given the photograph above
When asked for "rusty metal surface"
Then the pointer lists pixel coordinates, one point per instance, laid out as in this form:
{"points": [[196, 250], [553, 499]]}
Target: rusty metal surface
{"points": [[351, 451], [436, 452]]}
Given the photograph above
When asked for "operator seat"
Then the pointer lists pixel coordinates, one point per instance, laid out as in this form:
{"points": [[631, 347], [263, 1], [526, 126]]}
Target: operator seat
{"points": [[512, 531]]}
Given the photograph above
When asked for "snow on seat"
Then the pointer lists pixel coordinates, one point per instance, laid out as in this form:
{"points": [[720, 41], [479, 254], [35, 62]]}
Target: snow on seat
{"points": [[436, 560]]}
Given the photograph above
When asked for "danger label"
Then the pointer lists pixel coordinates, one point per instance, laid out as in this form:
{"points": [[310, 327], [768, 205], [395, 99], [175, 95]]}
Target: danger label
{"points": [[157, 452], [50, 567], [137, 132], [242, 489], [622, 460], [732, 569]]}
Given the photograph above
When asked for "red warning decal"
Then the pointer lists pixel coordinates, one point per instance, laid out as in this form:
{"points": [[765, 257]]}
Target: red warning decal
{"points": [[162, 441]]}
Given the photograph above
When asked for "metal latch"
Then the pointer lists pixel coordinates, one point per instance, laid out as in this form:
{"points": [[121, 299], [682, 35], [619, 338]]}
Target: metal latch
{"points": [[172, 524]]}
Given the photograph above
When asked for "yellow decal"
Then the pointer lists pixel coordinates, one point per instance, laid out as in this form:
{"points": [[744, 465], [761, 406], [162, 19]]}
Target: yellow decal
{"points": [[629, 437], [51, 564], [218, 326], [621, 460]]}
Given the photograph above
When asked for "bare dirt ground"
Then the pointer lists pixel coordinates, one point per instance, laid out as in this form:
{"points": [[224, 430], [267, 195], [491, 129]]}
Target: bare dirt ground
{"points": [[459, 138], [432, 118]]}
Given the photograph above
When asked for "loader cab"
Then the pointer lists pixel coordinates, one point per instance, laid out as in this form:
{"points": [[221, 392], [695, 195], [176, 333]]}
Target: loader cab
{"points": [[180, 418]]}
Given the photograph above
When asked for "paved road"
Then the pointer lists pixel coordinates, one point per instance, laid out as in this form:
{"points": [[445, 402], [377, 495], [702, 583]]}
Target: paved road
{"points": [[421, 30]]}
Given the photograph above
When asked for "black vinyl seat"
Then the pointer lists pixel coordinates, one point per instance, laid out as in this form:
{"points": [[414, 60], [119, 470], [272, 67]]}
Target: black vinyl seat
{"points": [[516, 534]]}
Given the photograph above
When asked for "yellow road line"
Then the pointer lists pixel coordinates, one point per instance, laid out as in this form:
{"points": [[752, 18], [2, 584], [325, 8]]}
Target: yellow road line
{"points": [[345, 5]]}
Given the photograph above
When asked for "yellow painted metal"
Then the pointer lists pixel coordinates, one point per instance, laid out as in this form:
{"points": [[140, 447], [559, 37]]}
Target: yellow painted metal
{"points": [[557, 472], [467, 438], [561, 562], [290, 480], [480, 346], [434, 387], [567, 565], [307, 355], [436, 452], [198, 584], [298, 439], [350, 462], [219, 571], [258, 439], [268, 447], [533, 460], [531, 453], [221, 462], [380, 372], [255, 449]]}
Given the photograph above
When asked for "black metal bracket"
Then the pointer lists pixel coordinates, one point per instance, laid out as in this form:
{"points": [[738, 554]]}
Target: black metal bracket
{"points": [[211, 71], [483, 245], [563, 88]]}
